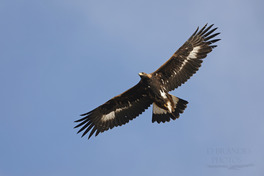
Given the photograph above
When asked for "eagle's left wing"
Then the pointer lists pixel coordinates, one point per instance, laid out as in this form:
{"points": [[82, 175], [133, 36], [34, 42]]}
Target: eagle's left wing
{"points": [[115, 112], [187, 59]]}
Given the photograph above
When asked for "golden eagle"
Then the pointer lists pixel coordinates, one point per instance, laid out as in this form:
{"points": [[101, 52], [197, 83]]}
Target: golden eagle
{"points": [[153, 88]]}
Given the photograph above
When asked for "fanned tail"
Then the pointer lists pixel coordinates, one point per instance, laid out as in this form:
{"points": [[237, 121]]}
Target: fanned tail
{"points": [[162, 115]]}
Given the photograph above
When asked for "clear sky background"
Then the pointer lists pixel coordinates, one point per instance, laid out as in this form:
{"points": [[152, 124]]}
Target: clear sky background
{"points": [[61, 58]]}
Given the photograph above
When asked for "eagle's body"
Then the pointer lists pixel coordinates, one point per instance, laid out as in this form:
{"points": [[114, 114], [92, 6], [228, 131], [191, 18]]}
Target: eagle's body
{"points": [[163, 102], [153, 88]]}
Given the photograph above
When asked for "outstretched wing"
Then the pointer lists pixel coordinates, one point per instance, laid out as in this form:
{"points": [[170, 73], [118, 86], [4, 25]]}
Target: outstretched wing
{"points": [[187, 59], [115, 112]]}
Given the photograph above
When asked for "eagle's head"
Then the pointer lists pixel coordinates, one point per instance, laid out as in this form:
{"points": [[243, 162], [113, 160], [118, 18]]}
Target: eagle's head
{"points": [[144, 75]]}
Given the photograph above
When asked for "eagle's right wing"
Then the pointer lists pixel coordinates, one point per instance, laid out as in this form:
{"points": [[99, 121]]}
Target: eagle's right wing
{"points": [[115, 112], [187, 59]]}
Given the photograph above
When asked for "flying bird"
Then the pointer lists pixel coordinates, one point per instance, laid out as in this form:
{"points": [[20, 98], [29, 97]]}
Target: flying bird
{"points": [[153, 88]]}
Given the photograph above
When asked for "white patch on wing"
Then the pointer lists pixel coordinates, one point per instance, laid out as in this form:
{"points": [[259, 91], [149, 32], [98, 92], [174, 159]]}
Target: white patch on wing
{"points": [[158, 110], [194, 52], [163, 94], [108, 116], [192, 55], [111, 115]]}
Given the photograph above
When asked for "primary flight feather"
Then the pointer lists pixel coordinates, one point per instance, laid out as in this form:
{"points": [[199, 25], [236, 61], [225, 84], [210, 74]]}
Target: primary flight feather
{"points": [[153, 88]]}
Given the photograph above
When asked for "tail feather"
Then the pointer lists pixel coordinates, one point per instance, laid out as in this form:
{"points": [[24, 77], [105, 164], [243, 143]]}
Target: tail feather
{"points": [[162, 115]]}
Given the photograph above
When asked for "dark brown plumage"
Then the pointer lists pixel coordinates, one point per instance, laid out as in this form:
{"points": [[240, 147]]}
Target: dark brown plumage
{"points": [[153, 88]]}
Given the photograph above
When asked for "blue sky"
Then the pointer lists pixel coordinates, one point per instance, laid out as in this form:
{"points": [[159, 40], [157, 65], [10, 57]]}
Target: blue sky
{"points": [[62, 58]]}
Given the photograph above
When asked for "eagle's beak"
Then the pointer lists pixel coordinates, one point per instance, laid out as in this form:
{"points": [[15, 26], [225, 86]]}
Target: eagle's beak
{"points": [[140, 74]]}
